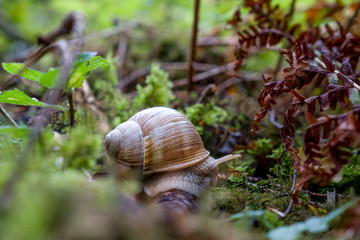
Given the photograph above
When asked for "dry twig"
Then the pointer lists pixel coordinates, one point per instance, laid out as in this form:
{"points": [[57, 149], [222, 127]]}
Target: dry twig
{"points": [[192, 49]]}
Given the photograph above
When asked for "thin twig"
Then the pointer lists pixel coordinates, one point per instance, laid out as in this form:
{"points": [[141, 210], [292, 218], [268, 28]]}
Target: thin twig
{"points": [[245, 77], [7, 116], [211, 88], [192, 49], [109, 32], [123, 83], [352, 19], [322, 194], [217, 41], [122, 48], [205, 75]]}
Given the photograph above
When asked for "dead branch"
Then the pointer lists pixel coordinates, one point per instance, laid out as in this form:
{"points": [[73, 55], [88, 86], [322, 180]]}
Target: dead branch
{"points": [[245, 77], [165, 66], [217, 41], [192, 49], [210, 89], [205, 75]]}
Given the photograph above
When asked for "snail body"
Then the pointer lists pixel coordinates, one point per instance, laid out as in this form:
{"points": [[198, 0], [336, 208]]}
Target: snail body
{"points": [[166, 145]]}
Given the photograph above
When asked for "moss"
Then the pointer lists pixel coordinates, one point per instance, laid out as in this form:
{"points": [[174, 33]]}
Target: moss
{"points": [[156, 92], [205, 114], [79, 149], [231, 200]]}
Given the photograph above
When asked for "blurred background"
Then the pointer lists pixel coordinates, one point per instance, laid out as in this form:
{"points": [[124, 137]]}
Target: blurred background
{"points": [[50, 194]]}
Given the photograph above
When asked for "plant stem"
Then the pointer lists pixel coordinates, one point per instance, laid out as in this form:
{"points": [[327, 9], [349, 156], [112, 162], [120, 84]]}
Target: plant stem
{"points": [[71, 108], [192, 50]]}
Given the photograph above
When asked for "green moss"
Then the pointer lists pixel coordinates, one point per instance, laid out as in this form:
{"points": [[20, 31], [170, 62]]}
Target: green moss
{"points": [[230, 200], [284, 169], [205, 114], [156, 92], [79, 149]]}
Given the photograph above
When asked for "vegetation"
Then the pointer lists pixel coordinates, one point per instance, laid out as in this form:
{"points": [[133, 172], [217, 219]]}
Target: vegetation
{"points": [[73, 74]]}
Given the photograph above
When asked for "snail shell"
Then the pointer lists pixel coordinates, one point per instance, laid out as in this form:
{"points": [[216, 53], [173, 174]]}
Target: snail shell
{"points": [[167, 146], [159, 139]]}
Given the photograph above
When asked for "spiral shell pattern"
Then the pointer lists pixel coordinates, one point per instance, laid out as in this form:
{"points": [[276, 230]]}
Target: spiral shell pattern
{"points": [[160, 139]]}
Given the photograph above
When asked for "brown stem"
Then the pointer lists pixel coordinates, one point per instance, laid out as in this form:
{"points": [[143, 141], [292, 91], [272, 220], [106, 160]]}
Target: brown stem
{"points": [[71, 108], [168, 66], [210, 89], [192, 50], [352, 19], [210, 73]]}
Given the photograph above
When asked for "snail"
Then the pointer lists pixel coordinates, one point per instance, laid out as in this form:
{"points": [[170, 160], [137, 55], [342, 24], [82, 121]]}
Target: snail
{"points": [[166, 145]]}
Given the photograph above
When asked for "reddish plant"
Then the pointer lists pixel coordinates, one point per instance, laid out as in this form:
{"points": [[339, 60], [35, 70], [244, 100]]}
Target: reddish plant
{"points": [[322, 57]]}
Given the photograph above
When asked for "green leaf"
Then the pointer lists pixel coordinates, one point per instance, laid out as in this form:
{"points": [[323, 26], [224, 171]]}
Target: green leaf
{"points": [[96, 62], [78, 76], [23, 71], [240, 215], [311, 225], [50, 78], [20, 98], [84, 57], [16, 132], [267, 219], [83, 66]]}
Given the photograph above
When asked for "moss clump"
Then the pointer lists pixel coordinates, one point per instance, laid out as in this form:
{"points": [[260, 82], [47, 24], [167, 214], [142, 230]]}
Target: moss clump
{"points": [[231, 200], [156, 92], [79, 149], [205, 114]]}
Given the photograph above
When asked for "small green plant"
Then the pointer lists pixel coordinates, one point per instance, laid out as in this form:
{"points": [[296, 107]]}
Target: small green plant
{"points": [[205, 114], [238, 176], [84, 63], [350, 174], [264, 218], [79, 149], [284, 168], [113, 103], [262, 146], [156, 92]]}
